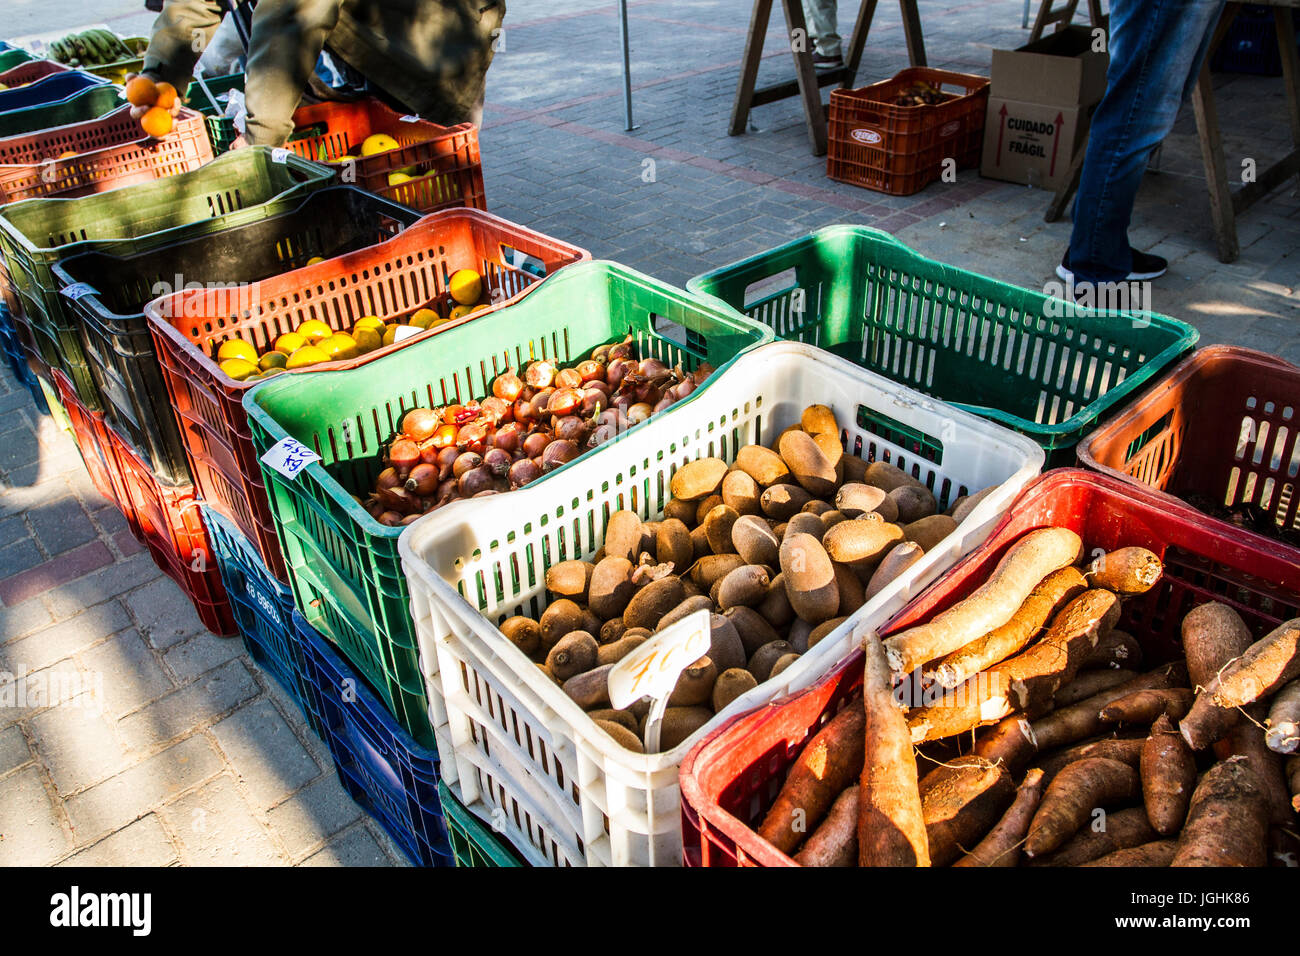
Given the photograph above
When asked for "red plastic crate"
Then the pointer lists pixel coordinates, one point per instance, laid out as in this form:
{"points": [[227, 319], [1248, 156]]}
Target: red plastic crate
{"points": [[112, 151], [392, 278], [1221, 430], [334, 133], [30, 72], [88, 428], [171, 527], [900, 150], [730, 778]]}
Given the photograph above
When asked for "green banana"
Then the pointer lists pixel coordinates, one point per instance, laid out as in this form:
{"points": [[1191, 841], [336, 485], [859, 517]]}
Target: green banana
{"points": [[95, 46], [59, 51]]}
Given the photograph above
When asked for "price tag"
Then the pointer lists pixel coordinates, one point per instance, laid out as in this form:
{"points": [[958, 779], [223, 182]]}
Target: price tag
{"points": [[653, 668], [405, 332], [279, 155], [79, 290], [289, 456], [410, 118]]}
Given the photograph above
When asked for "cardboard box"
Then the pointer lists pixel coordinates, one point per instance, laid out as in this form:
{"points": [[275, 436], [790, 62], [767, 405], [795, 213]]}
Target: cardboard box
{"points": [[1040, 102]]}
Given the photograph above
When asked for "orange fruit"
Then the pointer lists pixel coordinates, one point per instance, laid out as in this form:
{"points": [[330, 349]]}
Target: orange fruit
{"points": [[142, 91], [166, 96], [157, 122]]}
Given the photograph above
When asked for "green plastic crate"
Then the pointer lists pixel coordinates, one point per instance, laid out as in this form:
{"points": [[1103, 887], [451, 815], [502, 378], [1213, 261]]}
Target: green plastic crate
{"points": [[344, 565], [472, 841], [237, 189], [986, 346], [12, 58], [88, 104], [221, 130]]}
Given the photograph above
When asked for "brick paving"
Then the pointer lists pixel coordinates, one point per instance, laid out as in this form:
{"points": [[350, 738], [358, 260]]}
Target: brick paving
{"points": [[171, 747]]}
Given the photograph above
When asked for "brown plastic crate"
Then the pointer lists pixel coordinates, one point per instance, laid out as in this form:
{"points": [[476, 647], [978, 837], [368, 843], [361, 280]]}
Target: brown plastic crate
{"points": [[900, 150], [1220, 432]]}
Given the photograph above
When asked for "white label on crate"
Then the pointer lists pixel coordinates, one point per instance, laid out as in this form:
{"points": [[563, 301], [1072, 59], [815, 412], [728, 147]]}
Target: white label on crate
{"points": [[79, 289], [279, 155], [871, 137], [651, 670], [404, 332], [289, 456], [410, 118]]}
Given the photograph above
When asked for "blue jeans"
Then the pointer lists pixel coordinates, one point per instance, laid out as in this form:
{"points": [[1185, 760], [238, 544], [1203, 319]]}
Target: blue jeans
{"points": [[1156, 51]]}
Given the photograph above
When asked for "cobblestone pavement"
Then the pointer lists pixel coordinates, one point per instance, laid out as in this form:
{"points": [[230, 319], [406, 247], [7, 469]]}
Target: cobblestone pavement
{"points": [[173, 746]]}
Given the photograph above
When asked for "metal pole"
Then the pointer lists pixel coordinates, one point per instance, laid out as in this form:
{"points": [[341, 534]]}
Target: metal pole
{"points": [[627, 67]]}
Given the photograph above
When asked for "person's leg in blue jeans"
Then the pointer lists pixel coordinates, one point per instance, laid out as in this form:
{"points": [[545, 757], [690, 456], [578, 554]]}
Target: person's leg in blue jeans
{"points": [[1156, 49]]}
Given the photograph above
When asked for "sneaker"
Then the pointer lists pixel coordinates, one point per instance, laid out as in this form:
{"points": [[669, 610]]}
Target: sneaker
{"points": [[1145, 266], [824, 61]]}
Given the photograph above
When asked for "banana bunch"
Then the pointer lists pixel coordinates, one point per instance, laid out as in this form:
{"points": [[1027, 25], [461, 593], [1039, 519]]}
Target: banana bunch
{"points": [[91, 48]]}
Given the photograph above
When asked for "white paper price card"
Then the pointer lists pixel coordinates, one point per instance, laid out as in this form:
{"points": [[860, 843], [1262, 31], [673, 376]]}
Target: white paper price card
{"points": [[279, 155], [652, 669], [404, 332], [78, 290], [289, 456], [410, 118]]}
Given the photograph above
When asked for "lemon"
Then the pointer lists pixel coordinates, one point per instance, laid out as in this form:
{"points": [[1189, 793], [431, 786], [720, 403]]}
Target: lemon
{"points": [[239, 369], [315, 259], [290, 342], [272, 360], [369, 322], [459, 312], [305, 356], [478, 308], [367, 340], [466, 286], [396, 179], [314, 330], [340, 345], [423, 318], [377, 143], [236, 349]]}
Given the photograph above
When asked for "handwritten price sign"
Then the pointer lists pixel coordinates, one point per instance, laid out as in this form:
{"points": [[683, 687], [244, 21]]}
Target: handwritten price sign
{"points": [[653, 668], [289, 456]]}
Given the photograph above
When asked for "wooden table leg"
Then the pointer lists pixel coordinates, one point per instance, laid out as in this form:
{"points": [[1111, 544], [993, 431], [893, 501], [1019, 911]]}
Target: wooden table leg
{"points": [[749, 66], [912, 31], [866, 12], [1216, 175], [1290, 69], [806, 74]]}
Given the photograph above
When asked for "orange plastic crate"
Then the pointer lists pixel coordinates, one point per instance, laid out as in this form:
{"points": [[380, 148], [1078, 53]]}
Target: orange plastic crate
{"points": [[900, 150], [112, 151], [446, 158]]}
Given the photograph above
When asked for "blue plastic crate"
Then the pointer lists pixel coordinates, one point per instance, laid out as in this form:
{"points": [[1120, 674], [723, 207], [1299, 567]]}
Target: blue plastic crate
{"points": [[48, 90], [262, 604], [16, 358], [380, 765]]}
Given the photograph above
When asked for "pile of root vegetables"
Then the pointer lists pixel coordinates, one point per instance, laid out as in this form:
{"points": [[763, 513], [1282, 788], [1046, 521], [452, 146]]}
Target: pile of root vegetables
{"points": [[780, 547], [532, 423], [1018, 727]]}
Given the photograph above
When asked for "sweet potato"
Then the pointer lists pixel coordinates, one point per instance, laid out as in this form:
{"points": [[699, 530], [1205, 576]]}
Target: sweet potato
{"points": [[1027, 681], [1088, 683], [1125, 571], [1078, 790], [1105, 834], [1036, 555], [1047, 598], [1246, 740], [1119, 649], [1065, 725], [1266, 666], [1144, 706], [828, 765], [891, 823], [835, 841], [1125, 750], [1283, 734], [1227, 822], [1168, 777], [1001, 846], [1155, 853], [962, 800]]}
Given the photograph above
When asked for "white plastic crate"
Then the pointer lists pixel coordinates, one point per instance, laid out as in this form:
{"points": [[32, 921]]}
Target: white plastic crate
{"points": [[514, 747]]}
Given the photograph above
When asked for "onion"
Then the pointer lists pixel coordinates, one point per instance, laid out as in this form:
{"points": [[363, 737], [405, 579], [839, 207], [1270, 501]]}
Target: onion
{"points": [[450, 413], [564, 401], [423, 480], [559, 452], [570, 427], [639, 412], [600, 354], [664, 402], [684, 388], [474, 481], [523, 471], [403, 453], [392, 519], [507, 386], [701, 373], [387, 479], [374, 507], [429, 452], [536, 443], [446, 458], [592, 401], [466, 462], [568, 378], [396, 499], [497, 461], [447, 490], [523, 409], [652, 368], [617, 370], [419, 424], [496, 410], [508, 437], [602, 434], [444, 436], [591, 370], [410, 518], [622, 350], [540, 401], [539, 374], [473, 437]]}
